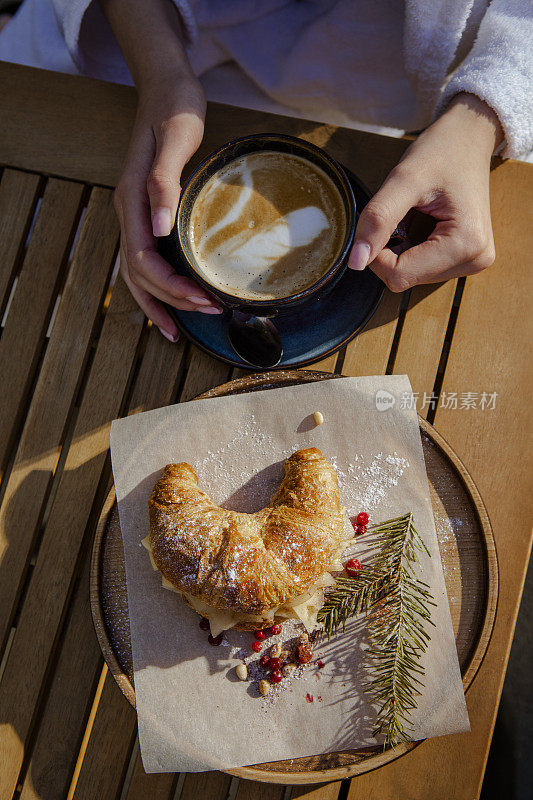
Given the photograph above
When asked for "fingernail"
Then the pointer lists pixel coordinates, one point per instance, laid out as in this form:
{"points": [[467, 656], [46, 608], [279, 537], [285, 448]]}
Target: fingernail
{"points": [[200, 301], [162, 222], [210, 310], [169, 336], [359, 256]]}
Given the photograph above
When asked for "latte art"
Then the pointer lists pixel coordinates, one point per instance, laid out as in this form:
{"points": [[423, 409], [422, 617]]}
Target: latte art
{"points": [[267, 225]]}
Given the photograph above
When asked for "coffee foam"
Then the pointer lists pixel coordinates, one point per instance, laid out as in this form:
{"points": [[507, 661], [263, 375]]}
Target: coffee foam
{"points": [[267, 225]]}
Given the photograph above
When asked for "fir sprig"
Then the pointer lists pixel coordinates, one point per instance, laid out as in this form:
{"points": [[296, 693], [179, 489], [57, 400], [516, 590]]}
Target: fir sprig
{"points": [[398, 604]]}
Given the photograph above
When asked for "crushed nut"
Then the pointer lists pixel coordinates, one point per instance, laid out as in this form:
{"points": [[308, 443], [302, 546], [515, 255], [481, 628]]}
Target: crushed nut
{"points": [[318, 417], [284, 655], [275, 650], [303, 638], [264, 687], [242, 671], [305, 654]]}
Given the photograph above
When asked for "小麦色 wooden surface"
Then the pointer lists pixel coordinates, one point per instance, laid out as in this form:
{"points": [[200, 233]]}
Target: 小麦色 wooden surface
{"points": [[76, 352]]}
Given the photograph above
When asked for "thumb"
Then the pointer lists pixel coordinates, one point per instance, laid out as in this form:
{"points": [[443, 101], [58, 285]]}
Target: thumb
{"points": [[176, 142], [379, 218]]}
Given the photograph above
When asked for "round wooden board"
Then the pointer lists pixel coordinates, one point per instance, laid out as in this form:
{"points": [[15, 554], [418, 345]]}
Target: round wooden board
{"points": [[470, 568]]}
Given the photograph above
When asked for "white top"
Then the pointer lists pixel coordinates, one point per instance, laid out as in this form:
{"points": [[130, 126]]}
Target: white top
{"points": [[359, 63]]}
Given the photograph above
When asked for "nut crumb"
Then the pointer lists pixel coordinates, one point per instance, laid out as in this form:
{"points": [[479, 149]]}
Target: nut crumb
{"points": [[264, 687], [318, 417]]}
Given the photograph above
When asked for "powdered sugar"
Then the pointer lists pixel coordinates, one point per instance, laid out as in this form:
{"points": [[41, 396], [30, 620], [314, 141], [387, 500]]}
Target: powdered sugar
{"points": [[363, 482]]}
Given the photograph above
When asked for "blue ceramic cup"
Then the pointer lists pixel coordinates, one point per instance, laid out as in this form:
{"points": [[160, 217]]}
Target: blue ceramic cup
{"points": [[182, 242]]}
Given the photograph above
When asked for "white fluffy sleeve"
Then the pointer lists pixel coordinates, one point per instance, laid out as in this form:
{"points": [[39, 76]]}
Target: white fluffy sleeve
{"points": [[90, 40], [499, 70]]}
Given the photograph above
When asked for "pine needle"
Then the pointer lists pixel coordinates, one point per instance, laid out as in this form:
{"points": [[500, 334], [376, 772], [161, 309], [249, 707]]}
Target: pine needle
{"points": [[397, 604]]}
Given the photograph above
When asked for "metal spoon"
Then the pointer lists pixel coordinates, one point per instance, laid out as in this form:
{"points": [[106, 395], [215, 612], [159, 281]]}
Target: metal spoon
{"points": [[255, 339]]}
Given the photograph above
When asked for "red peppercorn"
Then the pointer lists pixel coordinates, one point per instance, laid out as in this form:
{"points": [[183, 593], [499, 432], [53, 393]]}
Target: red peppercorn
{"points": [[257, 647], [309, 697], [275, 664], [259, 635], [204, 624], [320, 664], [275, 629], [362, 518], [215, 640], [264, 660], [276, 676], [360, 529], [352, 567]]}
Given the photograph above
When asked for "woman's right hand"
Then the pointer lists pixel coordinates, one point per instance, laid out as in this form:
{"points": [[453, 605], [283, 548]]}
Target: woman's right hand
{"points": [[168, 129]]}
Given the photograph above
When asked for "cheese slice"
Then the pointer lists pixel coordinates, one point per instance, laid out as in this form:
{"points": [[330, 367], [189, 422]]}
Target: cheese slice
{"points": [[146, 543], [305, 607]]}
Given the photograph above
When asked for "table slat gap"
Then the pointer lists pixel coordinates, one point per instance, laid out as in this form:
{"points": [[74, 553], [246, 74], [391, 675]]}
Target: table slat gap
{"points": [[128, 777], [90, 722], [110, 713], [161, 786], [341, 355], [448, 338], [404, 304], [203, 373], [18, 199], [368, 353], [421, 340]]}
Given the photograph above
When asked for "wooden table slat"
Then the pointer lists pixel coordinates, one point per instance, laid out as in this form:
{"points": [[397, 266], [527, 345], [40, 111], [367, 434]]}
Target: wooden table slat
{"points": [[422, 337], [326, 791], [252, 790], [212, 785], [48, 591], [160, 786], [33, 302], [18, 196], [90, 145], [325, 365], [368, 353], [52, 398]]}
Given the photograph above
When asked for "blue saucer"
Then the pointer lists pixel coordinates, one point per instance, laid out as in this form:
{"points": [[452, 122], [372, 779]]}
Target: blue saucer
{"points": [[311, 332]]}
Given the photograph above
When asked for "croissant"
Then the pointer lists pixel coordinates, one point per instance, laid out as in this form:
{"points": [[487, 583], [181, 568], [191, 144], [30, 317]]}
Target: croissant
{"points": [[248, 570]]}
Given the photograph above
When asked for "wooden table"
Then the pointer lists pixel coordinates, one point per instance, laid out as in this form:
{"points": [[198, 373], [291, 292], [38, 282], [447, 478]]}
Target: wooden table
{"points": [[75, 352]]}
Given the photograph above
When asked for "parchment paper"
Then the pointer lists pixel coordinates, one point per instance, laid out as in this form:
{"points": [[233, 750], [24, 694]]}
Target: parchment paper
{"points": [[193, 713]]}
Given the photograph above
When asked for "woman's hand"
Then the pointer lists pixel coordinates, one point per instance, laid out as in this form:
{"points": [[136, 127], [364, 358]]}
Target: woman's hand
{"points": [[444, 173], [168, 129]]}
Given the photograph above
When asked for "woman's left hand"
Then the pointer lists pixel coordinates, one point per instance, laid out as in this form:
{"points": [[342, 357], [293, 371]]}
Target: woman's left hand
{"points": [[444, 173]]}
